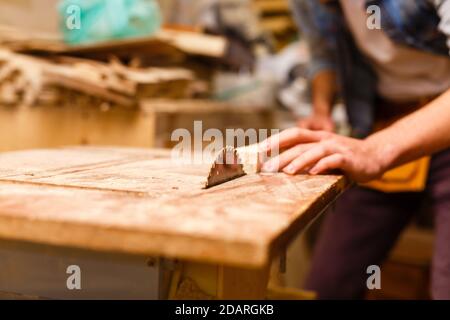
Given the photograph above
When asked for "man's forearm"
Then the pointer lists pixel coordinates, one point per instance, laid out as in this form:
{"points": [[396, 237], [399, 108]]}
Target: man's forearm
{"points": [[423, 132], [324, 90]]}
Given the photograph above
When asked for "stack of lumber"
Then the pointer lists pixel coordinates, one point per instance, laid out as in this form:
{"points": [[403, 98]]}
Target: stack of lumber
{"points": [[173, 64], [29, 80], [164, 42], [162, 66]]}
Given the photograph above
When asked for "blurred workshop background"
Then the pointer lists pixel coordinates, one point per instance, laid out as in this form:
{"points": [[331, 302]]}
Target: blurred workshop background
{"points": [[158, 66]]}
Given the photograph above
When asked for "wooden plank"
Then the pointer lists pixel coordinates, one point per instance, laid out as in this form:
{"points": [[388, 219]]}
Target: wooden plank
{"points": [[278, 24], [237, 284], [164, 42], [149, 207], [50, 162], [76, 124], [35, 17], [130, 176], [188, 42], [200, 106], [272, 6], [23, 78], [151, 125], [194, 43]]}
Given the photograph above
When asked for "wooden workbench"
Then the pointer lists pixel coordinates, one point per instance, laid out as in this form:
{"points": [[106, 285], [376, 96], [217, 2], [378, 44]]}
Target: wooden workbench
{"points": [[136, 202]]}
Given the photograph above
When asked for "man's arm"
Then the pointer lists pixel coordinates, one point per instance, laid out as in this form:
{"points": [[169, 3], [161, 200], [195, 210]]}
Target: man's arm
{"points": [[421, 133], [314, 22], [323, 96]]}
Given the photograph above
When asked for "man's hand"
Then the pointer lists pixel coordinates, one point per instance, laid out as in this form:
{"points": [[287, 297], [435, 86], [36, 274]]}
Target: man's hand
{"points": [[323, 97], [317, 152], [317, 122]]}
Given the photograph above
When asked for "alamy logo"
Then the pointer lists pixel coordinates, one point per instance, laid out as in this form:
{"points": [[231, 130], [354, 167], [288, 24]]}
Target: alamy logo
{"points": [[73, 20], [200, 147], [374, 17], [374, 280], [74, 280]]}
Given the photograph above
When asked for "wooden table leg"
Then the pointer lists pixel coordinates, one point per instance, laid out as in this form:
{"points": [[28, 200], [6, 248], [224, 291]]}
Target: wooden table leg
{"points": [[204, 281], [239, 284]]}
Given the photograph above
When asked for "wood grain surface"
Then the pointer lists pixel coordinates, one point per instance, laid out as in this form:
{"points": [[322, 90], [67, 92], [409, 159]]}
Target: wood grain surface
{"points": [[140, 202]]}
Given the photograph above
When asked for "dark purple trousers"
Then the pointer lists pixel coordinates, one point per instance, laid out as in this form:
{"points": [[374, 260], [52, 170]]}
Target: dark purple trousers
{"points": [[364, 225]]}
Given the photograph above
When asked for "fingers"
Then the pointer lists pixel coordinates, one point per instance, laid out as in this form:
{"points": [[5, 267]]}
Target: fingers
{"points": [[309, 158], [291, 137], [304, 124], [279, 162], [328, 126], [317, 122], [335, 161]]}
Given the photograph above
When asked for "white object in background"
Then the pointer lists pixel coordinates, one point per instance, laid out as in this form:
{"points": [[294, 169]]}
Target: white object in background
{"points": [[281, 64], [296, 98], [246, 89]]}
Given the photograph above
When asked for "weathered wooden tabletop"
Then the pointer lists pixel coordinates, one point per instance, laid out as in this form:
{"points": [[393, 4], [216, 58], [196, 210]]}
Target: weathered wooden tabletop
{"points": [[139, 202]]}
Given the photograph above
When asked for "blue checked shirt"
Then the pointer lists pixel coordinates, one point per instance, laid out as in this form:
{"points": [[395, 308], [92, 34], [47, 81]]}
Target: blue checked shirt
{"points": [[421, 24]]}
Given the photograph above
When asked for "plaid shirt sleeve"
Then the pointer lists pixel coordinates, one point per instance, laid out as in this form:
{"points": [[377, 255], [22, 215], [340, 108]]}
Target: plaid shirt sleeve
{"points": [[314, 25]]}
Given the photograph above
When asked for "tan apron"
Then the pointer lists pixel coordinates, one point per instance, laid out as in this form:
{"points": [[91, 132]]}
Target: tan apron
{"points": [[410, 177]]}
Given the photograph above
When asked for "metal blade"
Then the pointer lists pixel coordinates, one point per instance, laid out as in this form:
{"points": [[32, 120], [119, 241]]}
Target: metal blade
{"points": [[226, 167]]}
